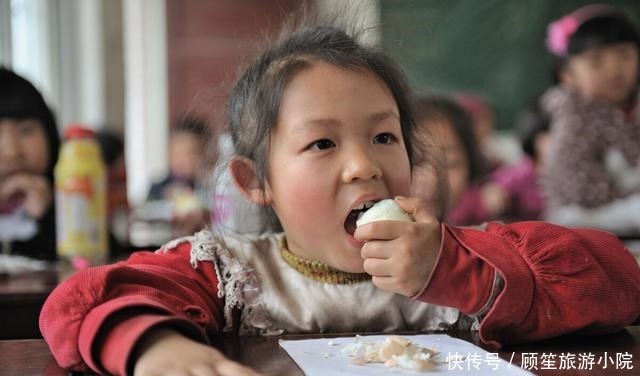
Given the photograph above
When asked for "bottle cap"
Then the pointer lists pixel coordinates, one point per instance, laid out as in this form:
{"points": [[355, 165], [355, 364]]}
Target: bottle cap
{"points": [[78, 131]]}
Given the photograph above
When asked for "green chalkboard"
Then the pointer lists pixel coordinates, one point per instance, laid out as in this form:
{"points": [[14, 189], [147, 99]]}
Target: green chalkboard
{"points": [[491, 47]]}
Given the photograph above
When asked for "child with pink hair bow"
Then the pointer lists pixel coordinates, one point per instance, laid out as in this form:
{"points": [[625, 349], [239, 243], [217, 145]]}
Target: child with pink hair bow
{"points": [[560, 31], [594, 115]]}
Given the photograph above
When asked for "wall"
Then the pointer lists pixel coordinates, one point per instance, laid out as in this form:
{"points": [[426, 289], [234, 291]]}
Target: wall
{"points": [[493, 47], [208, 44]]}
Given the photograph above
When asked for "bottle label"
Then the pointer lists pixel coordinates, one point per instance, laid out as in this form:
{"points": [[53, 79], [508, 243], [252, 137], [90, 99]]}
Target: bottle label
{"points": [[80, 219]]}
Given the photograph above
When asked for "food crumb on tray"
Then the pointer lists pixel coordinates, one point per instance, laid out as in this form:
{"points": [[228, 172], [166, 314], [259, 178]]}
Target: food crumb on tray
{"points": [[393, 351]]}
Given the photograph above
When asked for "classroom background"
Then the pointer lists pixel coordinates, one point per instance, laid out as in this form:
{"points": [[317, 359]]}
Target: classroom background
{"points": [[133, 67]]}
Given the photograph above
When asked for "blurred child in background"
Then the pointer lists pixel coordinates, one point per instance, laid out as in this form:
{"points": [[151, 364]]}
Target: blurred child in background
{"points": [[186, 150], [459, 159], [513, 192], [183, 185], [473, 196], [483, 120], [112, 149], [29, 143], [593, 109]]}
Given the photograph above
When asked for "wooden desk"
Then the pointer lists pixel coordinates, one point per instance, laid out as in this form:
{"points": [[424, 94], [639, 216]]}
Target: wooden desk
{"points": [[32, 357], [21, 298]]}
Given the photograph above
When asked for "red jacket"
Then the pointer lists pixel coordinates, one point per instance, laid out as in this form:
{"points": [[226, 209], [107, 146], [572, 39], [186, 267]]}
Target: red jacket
{"points": [[556, 281]]}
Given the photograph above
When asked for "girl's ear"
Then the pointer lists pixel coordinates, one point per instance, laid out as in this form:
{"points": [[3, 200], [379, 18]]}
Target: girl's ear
{"points": [[243, 174]]}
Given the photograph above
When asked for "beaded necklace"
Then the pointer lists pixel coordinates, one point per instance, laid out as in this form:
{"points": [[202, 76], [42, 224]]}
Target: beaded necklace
{"points": [[319, 271]]}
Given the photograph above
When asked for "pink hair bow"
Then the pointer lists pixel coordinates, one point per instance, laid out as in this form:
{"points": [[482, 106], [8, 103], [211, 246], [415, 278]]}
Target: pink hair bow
{"points": [[560, 31], [558, 34]]}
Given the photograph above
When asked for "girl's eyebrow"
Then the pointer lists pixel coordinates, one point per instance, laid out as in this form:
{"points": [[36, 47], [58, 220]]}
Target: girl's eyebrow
{"points": [[330, 122], [383, 115], [315, 123]]}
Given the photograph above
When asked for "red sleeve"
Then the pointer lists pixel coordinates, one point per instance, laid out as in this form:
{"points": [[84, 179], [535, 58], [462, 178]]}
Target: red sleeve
{"points": [[95, 317], [556, 280]]}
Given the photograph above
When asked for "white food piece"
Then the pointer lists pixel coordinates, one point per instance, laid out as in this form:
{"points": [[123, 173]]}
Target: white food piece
{"points": [[393, 351], [385, 210], [354, 348]]}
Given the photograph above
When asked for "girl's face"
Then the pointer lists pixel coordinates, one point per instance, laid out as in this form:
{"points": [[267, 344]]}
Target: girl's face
{"points": [[23, 147], [424, 183], [454, 162], [337, 144], [185, 155], [609, 73]]}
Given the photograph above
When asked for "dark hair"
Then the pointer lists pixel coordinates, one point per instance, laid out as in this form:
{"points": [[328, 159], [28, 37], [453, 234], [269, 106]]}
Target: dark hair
{"points": [[20, 100], [531, 122], [111, 146], [188, 123], [431, 108], [192, 124], [603, 30], [255, 99]]}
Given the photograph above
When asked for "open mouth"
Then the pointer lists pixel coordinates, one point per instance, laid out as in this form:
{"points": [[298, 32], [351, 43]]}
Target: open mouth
{"points": [[350, 222]]}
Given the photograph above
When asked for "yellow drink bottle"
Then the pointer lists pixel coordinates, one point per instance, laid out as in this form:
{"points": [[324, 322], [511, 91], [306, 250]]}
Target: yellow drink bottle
{"points": [[81, 199]]}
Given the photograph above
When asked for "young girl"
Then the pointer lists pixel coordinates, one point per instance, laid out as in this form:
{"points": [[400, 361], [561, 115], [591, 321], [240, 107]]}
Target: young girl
{"points": [[484, 122], [446, 129], [112, 151], [322, 126], [29, 145], [594, 107], [507, 193], [183, 185]]}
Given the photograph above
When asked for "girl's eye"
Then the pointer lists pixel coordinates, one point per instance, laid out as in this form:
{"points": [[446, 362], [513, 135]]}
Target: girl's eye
{"points": [[26, 129], [625, 52], [322, 144], [384, 138]]}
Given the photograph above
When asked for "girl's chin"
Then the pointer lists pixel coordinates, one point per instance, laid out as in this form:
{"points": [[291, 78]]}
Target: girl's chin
{"points": [[351, 266]]}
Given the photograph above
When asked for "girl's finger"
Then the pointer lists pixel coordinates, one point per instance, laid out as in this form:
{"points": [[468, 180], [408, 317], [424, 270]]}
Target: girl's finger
{"points": [[22, 183], [383, 283], [9, 188], [379, 230], [229, 368], [376, 267], [378, 249], [417, 208], [202, 370]]}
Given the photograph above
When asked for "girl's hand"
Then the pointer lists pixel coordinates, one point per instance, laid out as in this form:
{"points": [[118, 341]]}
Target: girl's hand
{"points": [[167, 352], [33, 191], [495, 199], [400, 256]]}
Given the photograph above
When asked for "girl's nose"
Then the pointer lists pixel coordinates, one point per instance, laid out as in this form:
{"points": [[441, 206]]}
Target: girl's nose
{"points": [[9, 144], [360, 164]]}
